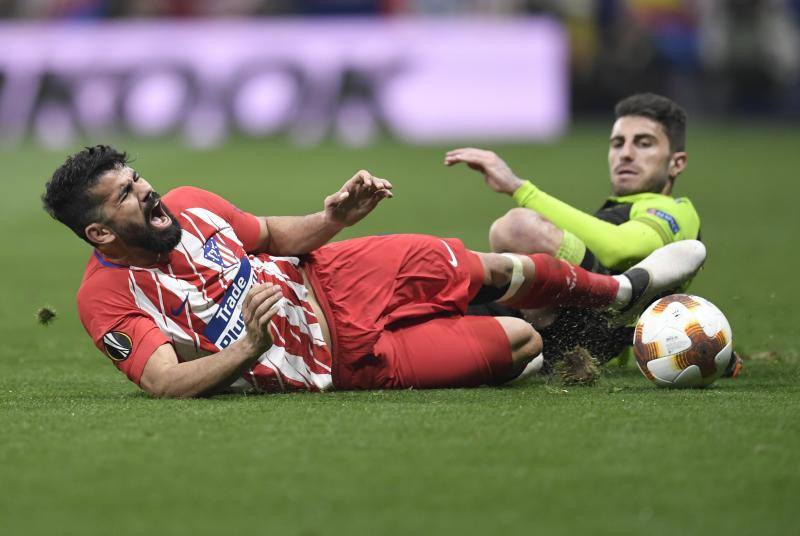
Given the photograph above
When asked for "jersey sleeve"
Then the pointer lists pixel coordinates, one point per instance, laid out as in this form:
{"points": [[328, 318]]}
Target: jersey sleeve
{"points": [[117, 327], [246, 226], [673, 219], [615, 246]]}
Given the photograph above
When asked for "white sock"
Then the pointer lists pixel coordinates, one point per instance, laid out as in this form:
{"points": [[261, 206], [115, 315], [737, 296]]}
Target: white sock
{"points": [[533, 366], [624, 293]]}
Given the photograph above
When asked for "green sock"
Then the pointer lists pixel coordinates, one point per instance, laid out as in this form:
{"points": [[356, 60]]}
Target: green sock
{"points": [[572, 249]]}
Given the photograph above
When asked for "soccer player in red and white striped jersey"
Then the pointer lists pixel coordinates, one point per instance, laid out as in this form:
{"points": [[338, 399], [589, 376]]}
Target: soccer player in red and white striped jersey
{"points": [[193, 296], [189, 295]]}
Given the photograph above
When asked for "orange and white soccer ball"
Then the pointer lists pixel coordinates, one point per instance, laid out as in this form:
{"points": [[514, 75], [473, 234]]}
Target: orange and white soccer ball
{"points": [[682, 341]]}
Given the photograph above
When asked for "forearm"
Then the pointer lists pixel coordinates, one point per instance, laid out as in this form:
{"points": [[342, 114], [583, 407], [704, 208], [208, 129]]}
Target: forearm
{"points": [[295, 235], [204, 376], [613, 245]]}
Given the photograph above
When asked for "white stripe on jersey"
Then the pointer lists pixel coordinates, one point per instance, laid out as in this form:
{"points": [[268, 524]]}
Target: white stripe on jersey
{"points": [[321, 364], [215, 221], [188, 258], [276, 333], [271, 268], [226, 253], [291, 260], [293, 367], [160, 297], [164, 323], [193, 247], [295, 315], [199, 306]]}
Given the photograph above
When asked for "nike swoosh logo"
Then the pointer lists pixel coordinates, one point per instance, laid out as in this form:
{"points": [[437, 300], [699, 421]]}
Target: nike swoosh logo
{"points": [[452, 260], [176, 312]]}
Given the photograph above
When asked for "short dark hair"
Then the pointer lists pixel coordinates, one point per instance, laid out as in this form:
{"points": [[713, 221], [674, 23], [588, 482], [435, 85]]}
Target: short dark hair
{"points": [[661, 110], [67, 196]]}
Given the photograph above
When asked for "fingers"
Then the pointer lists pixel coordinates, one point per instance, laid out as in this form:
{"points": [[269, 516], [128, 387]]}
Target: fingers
{"points": [[383, 194], [259, 299], [247, 307], [258, 309], [469, 155], [267, 308], [377, 192], [265, 319], [362, 178], [368, 181], [364, 184], [382, 184]]}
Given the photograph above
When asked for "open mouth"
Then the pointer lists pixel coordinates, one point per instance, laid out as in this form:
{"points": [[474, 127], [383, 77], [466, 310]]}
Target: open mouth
{"points": [[157, 217]]}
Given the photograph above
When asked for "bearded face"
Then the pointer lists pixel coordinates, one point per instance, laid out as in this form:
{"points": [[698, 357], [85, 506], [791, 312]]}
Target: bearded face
{"points": [[158, 233], [133, 212]]}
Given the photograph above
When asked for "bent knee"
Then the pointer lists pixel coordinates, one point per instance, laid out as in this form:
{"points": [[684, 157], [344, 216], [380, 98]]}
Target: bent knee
{"points": [[522, 230], [531, 345], [525, 342]]}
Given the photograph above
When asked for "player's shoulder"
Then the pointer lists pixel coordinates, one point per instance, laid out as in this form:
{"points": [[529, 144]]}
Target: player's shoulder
{"points": [[103, 283], [676, 213], [105, 300], [188, 197], [646, 201]]}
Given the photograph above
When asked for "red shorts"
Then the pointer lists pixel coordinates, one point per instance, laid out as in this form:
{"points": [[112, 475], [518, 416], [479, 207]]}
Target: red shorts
{"points": [[395, 309]]}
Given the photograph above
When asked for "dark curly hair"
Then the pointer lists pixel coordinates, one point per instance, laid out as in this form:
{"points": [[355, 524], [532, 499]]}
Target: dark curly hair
{"points": [[68, 197], [661, 110]]}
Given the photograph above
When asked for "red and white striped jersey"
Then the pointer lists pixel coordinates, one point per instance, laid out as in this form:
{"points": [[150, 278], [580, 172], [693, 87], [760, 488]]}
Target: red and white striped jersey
{"points": [[193, 300]]}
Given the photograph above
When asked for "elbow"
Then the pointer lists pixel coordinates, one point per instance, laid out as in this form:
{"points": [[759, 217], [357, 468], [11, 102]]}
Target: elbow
{"points": [[161, 390], [167, 385]]}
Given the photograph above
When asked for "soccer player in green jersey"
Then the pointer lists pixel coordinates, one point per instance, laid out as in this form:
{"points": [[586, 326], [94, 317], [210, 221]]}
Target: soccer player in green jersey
{"points": [[647, 152]]}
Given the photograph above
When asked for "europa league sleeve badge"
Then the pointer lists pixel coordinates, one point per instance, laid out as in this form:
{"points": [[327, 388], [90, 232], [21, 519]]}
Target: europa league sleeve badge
{"points": [[118, 345]]}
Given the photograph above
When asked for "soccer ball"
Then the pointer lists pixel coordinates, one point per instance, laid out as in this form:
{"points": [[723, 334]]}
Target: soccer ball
{"points": [[682, 341]]}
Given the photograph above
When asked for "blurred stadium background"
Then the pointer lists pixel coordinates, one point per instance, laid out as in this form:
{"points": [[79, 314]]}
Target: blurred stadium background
{"points": [[420, 70], [274, 104]]}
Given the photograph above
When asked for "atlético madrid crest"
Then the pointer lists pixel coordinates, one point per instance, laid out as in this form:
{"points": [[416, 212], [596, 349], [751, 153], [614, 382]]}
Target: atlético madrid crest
{"points": [[118, 345]]}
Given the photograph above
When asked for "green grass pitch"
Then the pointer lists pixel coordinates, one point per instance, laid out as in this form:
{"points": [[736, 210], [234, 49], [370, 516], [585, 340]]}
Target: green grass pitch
{"points": [[83, 452]]}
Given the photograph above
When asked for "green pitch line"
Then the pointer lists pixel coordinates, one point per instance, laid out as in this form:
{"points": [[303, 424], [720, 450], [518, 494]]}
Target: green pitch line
{"points": [[83, 452]]}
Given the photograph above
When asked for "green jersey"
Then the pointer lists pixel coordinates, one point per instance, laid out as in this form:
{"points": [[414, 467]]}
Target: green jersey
{"points": [[625, 230], [672, 218]]}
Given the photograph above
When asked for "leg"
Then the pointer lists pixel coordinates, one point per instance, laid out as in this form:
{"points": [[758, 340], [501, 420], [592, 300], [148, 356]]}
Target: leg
{"points": [[521, 230], [525, 342], [539, 280], [457, 352], [571, 328]]}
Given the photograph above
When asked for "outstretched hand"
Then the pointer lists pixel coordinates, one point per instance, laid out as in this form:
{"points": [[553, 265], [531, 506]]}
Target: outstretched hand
{"points": [[357, 198], [496, 172]]}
